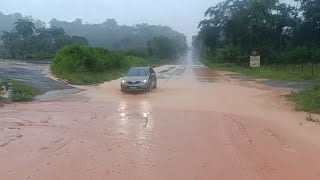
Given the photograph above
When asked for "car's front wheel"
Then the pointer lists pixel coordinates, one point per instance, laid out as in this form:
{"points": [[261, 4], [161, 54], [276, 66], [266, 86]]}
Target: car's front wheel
{"points": [[150, 88], [155, 85]]}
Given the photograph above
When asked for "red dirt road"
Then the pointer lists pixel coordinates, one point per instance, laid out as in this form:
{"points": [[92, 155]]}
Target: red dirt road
{"points": [[198, 125]]}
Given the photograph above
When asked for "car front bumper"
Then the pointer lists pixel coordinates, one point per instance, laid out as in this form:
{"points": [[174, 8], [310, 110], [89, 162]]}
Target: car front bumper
{"points": [[135, 87]]}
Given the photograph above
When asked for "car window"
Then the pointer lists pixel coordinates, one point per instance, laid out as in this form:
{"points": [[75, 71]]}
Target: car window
{"points": [[137, 72]]}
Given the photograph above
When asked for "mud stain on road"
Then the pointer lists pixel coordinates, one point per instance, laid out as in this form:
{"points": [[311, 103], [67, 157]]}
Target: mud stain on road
{"points": [[205, 72], [205, 75]]}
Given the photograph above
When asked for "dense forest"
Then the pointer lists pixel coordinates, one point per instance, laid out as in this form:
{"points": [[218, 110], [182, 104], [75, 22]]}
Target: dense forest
{"points": [[7, 21], [27, 42], [24, 37], [111, 35], [7, 24], [279, 32]]}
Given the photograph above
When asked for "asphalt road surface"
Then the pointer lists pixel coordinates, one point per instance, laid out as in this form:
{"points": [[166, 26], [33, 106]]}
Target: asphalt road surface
{"points": [[198, 125], [32, 74]]}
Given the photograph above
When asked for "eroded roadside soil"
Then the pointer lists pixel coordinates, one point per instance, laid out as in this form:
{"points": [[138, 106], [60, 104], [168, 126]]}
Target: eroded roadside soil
{"points": [[199, 124]]}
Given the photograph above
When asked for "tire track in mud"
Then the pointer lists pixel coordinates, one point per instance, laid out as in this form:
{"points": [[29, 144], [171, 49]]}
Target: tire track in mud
{"points": [[10, 141], [54, 150], [245, 148], [282, 142], [241, 127]]}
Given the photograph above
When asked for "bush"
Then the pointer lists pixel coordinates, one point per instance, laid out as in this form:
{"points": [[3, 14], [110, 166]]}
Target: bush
{"points": [[307, 100], [139, 52], [23, 93], [78, 58], [84, 65]]}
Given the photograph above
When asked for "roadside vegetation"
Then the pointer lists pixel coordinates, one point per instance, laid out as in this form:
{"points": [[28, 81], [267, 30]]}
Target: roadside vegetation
{"points": [[274, 72], [307, 100], [83, 65], [286, 37], [22, 92]]}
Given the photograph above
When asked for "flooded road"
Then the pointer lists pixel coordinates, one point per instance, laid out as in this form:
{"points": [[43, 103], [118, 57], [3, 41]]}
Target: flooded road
{"points": [[198, 124]]}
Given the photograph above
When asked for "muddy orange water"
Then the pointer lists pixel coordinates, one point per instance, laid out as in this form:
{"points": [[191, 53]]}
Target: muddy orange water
{"points": [[198, 125]]}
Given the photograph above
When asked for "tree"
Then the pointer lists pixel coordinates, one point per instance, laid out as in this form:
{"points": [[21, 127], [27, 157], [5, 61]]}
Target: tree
{"points": [[45, 42], [79, 40], [310, 27], [8, 39], [8, 36], [24, 28], [249, 25], [111, 35], [163, 48]]}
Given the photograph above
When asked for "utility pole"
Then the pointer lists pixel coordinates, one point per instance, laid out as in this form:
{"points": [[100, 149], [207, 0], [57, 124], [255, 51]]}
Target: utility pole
{"points": [[280, 40], [251, 29]]}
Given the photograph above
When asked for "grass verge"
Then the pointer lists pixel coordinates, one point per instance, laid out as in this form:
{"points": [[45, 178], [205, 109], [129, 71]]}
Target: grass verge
{"points": [[22, 92], [307, 100], [268, 73], [89, 78]]}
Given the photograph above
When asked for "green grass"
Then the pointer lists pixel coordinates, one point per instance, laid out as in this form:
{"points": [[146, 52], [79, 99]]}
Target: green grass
{"points": [[307, 100], [275, 73], [22, 92], [89, 78]]}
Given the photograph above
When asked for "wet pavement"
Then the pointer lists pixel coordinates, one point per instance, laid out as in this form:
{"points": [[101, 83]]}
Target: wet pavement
{"points": [[295, 86], [198, 124], [31, 74]]}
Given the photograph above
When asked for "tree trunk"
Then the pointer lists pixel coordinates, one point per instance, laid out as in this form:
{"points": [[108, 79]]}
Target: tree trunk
{"points": [[312, 71], [292, 67]]}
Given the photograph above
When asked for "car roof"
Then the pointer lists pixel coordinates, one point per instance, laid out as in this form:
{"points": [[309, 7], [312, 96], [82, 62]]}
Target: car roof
{"points": [[140, 67]]}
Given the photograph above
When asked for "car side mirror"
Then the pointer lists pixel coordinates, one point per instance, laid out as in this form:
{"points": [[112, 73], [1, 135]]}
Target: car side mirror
{"points": [[122, 75], [153, 74]]}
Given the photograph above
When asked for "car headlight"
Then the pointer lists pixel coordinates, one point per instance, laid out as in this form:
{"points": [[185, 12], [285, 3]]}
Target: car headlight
{"points": [[145, 81], [123, 81]]}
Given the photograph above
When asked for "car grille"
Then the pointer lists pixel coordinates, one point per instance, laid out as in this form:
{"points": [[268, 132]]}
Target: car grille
{"points": [[136, 82]]}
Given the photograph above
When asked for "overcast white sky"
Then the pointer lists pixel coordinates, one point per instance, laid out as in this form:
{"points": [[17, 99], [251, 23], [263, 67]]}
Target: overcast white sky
{"points": [[181, 15]]}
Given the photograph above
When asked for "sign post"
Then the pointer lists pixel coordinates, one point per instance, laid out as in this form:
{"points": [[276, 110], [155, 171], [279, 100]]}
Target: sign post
{"points": [[255, 61]]}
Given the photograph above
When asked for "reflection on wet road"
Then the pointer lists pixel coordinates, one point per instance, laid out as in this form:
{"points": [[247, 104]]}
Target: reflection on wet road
{"points": [[198, 124]]}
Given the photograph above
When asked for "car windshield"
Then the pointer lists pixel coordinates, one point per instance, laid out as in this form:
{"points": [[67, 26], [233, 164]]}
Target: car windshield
{"points": [[137, 72]]}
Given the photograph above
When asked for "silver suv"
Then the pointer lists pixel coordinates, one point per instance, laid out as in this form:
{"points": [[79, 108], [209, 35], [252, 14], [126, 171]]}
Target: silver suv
{"points": [[139, 79]]}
